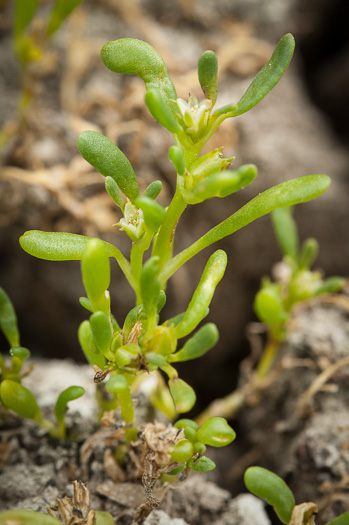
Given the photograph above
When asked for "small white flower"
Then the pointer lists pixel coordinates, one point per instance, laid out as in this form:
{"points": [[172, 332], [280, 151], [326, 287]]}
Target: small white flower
{"points": [[132, 222], [195, 114]]}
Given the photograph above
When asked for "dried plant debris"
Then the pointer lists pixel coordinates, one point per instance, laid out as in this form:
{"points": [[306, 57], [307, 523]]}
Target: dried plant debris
{"points": [[75, 510]]}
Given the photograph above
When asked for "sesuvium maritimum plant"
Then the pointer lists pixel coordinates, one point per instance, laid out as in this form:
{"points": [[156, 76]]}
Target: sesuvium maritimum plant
{"points": [[13, 395], [143, 344]]}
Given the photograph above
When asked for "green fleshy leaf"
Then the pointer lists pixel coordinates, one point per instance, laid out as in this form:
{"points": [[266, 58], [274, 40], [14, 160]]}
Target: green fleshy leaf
{"points": [[104, 518], [23, 14], [27, 517], [183, 395], [198, 345], [177, 470], [20, 352], [212, 274], [343, 519], [224, 183], [8, 319], [208, 74], [183, 451], [57, 246], [204, 464], [160, 110], [153, 190], [268, 305], [69, 394], [117, 383], [150, 286], [60, 12], [109, 160], [135, 57], [267, 485], [84, 334], [95, 269], [286, 231], [86, 303], [310, 249], [185, 423], [154, 213], [19, 399], [114, 191], [216, 432], [330, 285], [176, 156], [265, 80], [102, 331]]}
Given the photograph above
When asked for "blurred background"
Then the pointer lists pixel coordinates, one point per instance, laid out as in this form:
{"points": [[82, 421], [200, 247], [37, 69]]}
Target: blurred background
{"points": [[299, 129]]}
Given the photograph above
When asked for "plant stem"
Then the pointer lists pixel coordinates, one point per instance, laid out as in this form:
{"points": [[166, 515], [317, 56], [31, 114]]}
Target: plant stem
{"points": [[269, 353], [124, 265], [165, 238]]}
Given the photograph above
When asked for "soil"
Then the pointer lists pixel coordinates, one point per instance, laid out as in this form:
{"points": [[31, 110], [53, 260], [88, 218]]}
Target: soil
{"points": [[300, 128]]}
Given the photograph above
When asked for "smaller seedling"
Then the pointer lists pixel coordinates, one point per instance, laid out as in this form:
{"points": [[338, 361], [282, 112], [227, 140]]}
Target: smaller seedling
{"points": [[295, 283], [266, 485], [32, 36], [15, 396]]}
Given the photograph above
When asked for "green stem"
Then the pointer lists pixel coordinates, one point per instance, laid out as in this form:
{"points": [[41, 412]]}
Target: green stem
{"points": [[269, 353], [136, 259], [165, 238], [127, 413], [123, 263]]}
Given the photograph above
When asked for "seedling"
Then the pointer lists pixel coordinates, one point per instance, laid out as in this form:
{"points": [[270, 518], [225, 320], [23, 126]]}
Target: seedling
{"points": [[266, 485], [31, 37], [15, 396], [295, 283]]}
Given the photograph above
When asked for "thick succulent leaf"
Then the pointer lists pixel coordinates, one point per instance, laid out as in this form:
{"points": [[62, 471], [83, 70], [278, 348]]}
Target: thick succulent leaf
{"points": [[265, 80], [60, 12], [57, 246], [27, 517], [267, 485], [8, 319], [135, 57], [150, 286], [198, 345], [160, 110], [203, 464], [95, 269], [23, 15], [286, 231], [154, 214], [84, 334], [216, 432], [109, 160], [153, 190], [19, 399], [69, 394], [183, 395], [212, 274], [208, 74], [224, 183]]}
